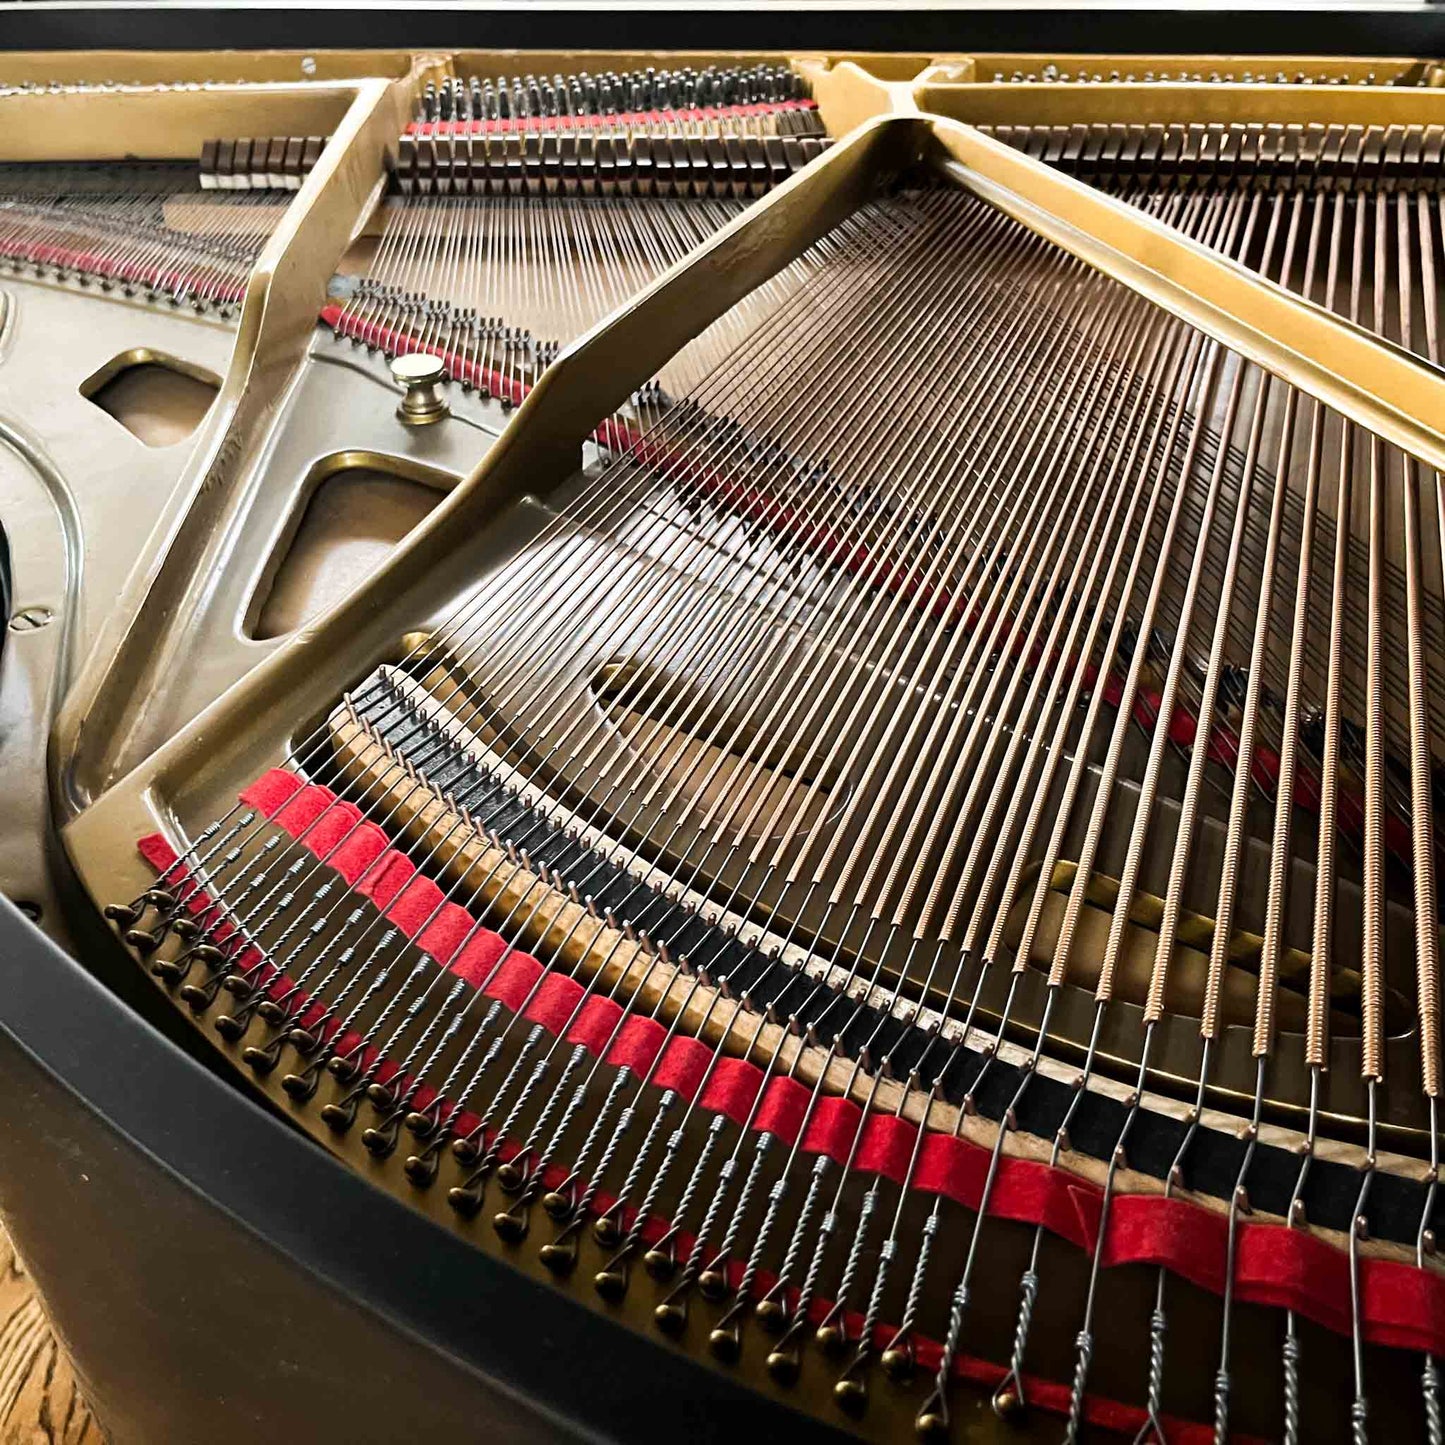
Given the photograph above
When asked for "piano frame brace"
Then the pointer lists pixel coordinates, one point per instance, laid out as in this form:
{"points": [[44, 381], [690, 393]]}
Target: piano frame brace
{"points": [[105, 753], [195, 774]]}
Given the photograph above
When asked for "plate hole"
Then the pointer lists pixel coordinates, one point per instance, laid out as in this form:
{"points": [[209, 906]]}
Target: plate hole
{"points": [[352, 521], [154, 400]]}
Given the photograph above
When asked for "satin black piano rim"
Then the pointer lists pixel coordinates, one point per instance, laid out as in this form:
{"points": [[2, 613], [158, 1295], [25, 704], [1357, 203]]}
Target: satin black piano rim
{"points": [[103, 1110], [945, 25]]}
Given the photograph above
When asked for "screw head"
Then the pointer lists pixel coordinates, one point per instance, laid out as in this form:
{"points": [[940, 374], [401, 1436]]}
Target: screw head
{"points": [[30, 619]]}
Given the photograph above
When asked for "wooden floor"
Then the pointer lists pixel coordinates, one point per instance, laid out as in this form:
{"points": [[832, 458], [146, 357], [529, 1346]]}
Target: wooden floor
{"points": [[39, 1402]]}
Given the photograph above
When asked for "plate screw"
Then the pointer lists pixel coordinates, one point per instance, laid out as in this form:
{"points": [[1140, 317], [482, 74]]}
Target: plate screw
{"points": [[30, 619]]}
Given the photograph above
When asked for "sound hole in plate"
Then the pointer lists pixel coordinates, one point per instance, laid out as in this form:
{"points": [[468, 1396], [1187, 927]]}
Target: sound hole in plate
{"points": [[353, 515], [157, 399]]}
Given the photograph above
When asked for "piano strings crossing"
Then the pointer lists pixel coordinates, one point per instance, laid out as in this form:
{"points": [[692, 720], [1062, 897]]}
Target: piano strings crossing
{"points": [[498, 285], [909, 628], [164, 240], [1364, 205]]}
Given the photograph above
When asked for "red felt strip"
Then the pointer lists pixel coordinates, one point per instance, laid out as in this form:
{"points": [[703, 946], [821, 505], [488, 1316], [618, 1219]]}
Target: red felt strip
{"points": [[365, 844], [732, 1089], [394, 342], [1275, 1264], [297, 814], [612, 433], [175, 280], [482, 953], [622, 120], [1401, 1305], [414, 904], [332, 829], [1170, 1230], [555, 1001], [444, 934], [1405, 1306], [157, 852], [952, 1166], [271, 790], [886, 1146], [684, 1062], [637, 1044], [832, 1128], [514, 981], [393, 871], [783, 1107], [595, 1023]]}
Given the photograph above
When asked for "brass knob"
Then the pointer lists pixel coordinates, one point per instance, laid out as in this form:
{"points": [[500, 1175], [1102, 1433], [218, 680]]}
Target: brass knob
{"points": [[420, 375]]}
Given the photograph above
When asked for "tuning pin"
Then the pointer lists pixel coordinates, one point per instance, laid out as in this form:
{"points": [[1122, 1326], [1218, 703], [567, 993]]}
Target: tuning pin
{"points": [[611, 1282], [559, 1203], [726, 1341], [832, 1334], [228, 1026], [146, 941], [660, 1261], [1008, 1400], [304, 1041], [124, 914], [421, 1169], [174, 970], [712, 1283], [468, 1149], [851, 1394], [513, 1224], [300, 1087], [201, 996], [931, 1422], [380, 1140], [273, 1012], [465, 1199], [344, 1067]]}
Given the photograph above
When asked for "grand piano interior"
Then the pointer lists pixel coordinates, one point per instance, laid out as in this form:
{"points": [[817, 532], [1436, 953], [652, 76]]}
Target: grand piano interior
{"points": [[726, 735]]}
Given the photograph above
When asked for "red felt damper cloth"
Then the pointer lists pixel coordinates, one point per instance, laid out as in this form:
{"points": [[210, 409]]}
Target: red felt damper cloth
{"points": [[397, 343], [1401, 1304], [613, 433], [624, 120], [784, 1106]]}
